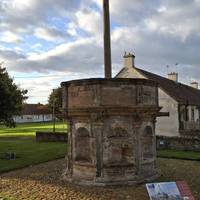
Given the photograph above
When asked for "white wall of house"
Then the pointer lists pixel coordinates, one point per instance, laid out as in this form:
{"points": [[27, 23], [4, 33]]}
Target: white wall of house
{"points": [[33, 118], [167, 126], [130, 72]]}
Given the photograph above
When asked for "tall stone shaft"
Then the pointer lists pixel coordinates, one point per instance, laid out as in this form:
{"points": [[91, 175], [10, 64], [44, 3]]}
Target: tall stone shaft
{"points": [[107, 45]]}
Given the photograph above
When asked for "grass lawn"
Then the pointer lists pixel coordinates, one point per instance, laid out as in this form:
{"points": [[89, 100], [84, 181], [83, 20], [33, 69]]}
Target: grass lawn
{"points": [[21, 140], [29, 129], [185, 155]]}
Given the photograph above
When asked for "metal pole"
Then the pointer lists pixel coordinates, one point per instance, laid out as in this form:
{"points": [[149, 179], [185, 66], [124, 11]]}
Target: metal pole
{"points": [[107, 45], [54, 115]]}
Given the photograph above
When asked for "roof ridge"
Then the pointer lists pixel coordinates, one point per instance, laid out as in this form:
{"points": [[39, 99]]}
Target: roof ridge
{"points": [[168, 79], [182, 93]]}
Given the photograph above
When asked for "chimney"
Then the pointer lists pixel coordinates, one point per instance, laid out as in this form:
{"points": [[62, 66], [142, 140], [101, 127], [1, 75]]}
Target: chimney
{"points": [[129, 60], [194, 85], [173, 76]]}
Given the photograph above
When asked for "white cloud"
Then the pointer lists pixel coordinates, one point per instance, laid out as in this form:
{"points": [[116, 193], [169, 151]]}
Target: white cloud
{"points": [[151, 24], [19, 15], [10, 37], [123, 35], [50, 34], [72, 29], [90, 21], [36, 46], [22, 5], [83, 55], [160, 33], [162, 9], [10, 56], [178, 19]]}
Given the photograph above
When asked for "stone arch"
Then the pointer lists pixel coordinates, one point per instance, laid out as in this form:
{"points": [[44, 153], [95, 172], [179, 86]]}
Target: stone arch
{"points": [[82, 132], [82, 145]]}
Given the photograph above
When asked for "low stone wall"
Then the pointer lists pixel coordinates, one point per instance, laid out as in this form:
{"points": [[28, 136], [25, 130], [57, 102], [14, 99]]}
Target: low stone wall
{"points": [[190, 133], [178, 143], [51, 137]]}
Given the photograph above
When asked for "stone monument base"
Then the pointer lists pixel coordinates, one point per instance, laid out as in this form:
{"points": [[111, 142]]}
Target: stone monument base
{"points": [[112, 131]]}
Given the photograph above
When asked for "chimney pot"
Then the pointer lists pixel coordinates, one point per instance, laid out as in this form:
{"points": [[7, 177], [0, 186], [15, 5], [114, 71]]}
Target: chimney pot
{"points": [[173, 76], [129, 60], [194, 85]]}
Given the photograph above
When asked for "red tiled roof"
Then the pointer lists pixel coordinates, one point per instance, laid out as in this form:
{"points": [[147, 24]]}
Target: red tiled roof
{"points": [[35, 109]]}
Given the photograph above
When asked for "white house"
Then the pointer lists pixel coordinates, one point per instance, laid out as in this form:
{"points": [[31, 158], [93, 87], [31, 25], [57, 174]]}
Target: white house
{"points": [[181, 101], [34, 113]]}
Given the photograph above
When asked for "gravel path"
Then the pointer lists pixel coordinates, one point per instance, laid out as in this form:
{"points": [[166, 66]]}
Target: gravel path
{"points": [[42, 182]]}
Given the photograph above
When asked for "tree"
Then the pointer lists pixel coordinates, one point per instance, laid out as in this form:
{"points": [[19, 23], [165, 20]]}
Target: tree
{"points": [[11, 98], [55, 100]]}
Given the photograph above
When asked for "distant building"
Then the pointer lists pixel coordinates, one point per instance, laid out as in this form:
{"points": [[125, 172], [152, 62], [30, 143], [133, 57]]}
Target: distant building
{"points": [[181, 101], [34, 113]]}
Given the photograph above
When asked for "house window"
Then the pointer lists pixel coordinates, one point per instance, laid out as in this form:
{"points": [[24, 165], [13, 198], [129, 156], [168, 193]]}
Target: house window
{"points": [[192, 114], [36, 117], [199, 113], [48, 116], [185, 113]]}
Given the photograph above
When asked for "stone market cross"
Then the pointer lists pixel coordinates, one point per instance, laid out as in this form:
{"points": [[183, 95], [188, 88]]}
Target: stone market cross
{"points": [[112, 126]]}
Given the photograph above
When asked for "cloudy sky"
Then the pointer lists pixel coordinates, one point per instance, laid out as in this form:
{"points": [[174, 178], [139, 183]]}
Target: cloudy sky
{"points": [[45, 42]]}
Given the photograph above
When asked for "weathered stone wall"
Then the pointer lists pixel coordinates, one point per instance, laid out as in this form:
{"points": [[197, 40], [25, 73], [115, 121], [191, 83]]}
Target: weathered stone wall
{"points": [[51, 137], [112, 136], [190, 133], [178, 143], [119, 92]]}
